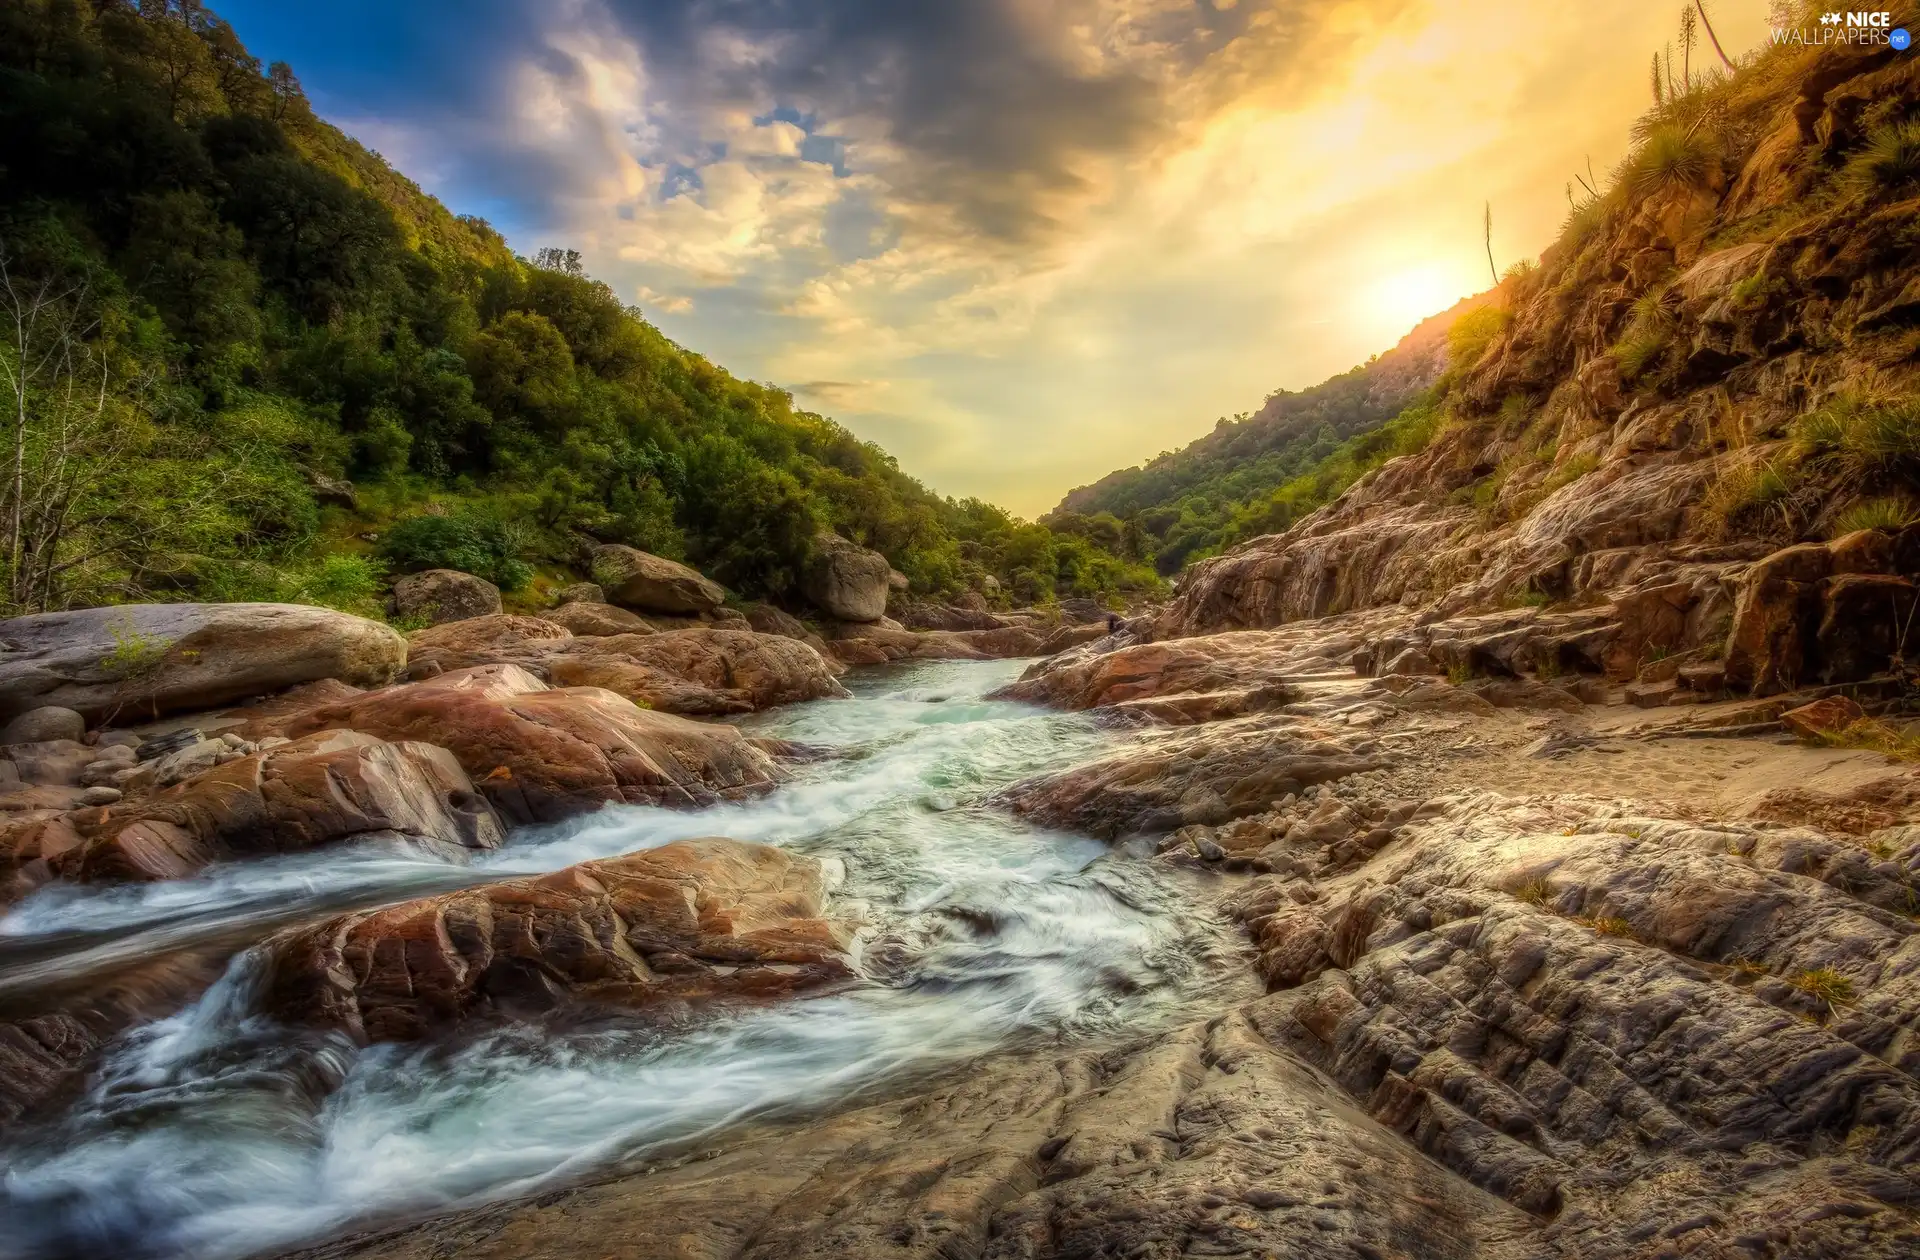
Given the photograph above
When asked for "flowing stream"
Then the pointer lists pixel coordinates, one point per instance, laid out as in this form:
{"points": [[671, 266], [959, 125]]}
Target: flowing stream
{"points": [[216, 1133]]}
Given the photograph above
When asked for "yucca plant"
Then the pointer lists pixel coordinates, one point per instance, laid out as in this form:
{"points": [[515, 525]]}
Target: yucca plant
{"points": [[1672, 157]]}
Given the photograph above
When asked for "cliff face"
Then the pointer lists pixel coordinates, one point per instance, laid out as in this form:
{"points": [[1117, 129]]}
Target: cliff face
{"points": [[1717, 367]]}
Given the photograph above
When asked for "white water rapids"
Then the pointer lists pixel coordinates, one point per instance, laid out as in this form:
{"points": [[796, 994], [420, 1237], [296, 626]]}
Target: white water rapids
{"points": [[215, 1133]]}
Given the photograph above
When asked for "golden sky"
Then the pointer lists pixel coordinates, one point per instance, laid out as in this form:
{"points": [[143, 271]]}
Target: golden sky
{"points": [[1021, 243]]}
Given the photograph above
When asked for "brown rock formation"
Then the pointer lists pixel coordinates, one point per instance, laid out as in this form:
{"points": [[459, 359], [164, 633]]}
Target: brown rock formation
{"points": [[698, 671], [136, 661], [694, 921], [541, 754]]}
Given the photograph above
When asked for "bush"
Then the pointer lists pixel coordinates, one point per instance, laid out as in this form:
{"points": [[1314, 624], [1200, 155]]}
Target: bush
{"points": [[1888, 514], [1890, 160], [470, 542], [1671, 158], [1861, 438]]}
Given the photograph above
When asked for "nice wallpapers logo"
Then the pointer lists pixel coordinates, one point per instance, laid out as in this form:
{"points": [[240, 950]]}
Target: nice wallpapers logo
{"points": [[1864, 29]]}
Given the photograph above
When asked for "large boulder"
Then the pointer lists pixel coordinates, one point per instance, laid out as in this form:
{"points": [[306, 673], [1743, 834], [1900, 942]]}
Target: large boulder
{"points": [[846, 581], [39, 725], [694, 921], [502, 638], [324, 789], [542, 754], [442, 595], [139, 661], [597, 620], [648, 583], [698, 671]]}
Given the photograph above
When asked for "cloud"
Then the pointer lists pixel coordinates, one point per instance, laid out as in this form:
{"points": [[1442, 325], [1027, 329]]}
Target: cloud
{"points": [[1024, 242]]}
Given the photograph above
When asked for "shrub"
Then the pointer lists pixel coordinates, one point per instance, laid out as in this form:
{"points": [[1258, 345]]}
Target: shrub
{"points": [[1823, 984], [1860, 437], [1890, 160], [1671, 158], [470, 542], [1886, 513]]}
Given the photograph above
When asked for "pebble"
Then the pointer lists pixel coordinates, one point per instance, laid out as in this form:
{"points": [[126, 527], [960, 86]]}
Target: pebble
{"points": [[101, 795]]}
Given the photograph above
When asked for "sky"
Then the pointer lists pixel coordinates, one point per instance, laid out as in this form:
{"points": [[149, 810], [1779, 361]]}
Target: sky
{"points": [[1018, 243]]}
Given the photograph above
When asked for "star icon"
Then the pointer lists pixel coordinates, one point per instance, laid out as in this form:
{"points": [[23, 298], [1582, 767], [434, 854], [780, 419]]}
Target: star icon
{"points": [[1829, 19]]}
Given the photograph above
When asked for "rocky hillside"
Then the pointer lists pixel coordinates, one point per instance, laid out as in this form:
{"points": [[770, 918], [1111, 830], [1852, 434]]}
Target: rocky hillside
{"points": [[1699, 398], [1220, 487]]}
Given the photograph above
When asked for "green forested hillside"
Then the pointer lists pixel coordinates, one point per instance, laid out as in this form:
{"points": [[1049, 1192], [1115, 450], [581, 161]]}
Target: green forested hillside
{"points": [[218, 308], [1257, 474]]}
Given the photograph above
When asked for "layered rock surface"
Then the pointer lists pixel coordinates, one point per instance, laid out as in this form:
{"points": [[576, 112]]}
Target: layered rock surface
{"points": [[689, 922]]}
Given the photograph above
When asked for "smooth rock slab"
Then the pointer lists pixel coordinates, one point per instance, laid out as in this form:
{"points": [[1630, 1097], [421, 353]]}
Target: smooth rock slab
{"points": [[132, 662], [690, 922], [329, 788], [541, 754]]}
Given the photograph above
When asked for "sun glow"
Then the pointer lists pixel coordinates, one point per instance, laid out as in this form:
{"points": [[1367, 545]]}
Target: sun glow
{"points": [[1403, 299]]}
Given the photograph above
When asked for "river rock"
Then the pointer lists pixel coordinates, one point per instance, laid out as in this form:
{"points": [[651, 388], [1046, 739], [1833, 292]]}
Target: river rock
{"points": [[1237, 673], [501, 638], [1219, 772], [924, 616], [597, 620], [443, 595], [698, 671], [648, 583], [137, 661], [541, 754], [37, 726], [658, 931], [579, 593], [329, 788], [846, 581]]}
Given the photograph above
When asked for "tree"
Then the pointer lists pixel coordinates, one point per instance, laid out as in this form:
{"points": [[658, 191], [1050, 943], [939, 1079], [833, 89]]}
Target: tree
{"points": [[61, 435]]}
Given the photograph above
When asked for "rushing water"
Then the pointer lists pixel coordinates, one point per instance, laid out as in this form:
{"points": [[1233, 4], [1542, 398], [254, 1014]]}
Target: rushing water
{"points": [[216, 1133]]}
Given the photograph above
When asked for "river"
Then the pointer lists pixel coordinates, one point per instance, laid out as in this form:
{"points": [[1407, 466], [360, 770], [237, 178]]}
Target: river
{"points": [[216, 1133]]}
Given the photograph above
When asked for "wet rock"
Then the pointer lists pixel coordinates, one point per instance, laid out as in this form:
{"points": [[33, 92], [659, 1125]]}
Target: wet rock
{"points": [[443, 595], [138, 661], [541, 754], [596, 620], [648, 583], [846, 581], [49, 722], [684, 924], [698, 671], [1223, 771], [330, 788]]}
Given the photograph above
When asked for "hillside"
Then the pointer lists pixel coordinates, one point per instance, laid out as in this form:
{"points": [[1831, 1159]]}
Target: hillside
{"points": [[253, 361], [1221, 488], [1692, 434]]}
